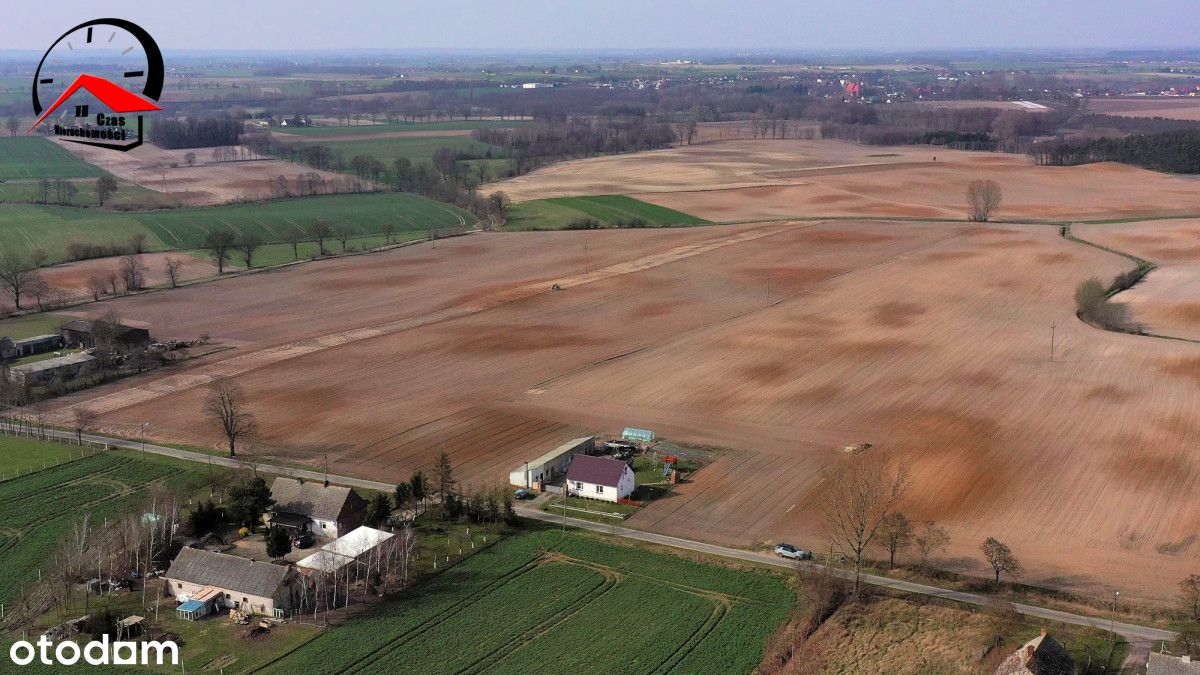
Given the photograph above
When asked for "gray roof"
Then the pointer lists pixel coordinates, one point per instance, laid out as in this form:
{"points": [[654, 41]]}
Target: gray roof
{"points": [[1048, 658], [227, 572], [56, 362], [1165, 664], [596, 470], [311, 499], [36, 339]]}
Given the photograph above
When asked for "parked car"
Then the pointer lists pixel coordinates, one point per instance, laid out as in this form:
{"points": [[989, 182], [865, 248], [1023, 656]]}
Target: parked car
{"points": [[303, 540], [789, 551], [522, 493]]}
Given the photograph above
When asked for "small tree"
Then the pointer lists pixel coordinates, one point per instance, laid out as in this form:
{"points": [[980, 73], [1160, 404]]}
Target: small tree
{"points": [[857, 494], [417, 487], [929, 539], [97, 285], [105, 187], [402, 495], [83, 419], [378, 510], [219, 243], [247, 245], [1001, 558], [190, 159], [444, 475], [226, 405], [1189, 590], [13, 125], [172, 267], [248, 501], [279, 543], [983, 198], [895, 535], [133, 272], [15, 276], [320, 231]]}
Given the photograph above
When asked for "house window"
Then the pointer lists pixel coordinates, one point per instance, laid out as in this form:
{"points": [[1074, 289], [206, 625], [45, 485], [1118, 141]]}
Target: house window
{"points": [[599, 489], [179, 585], [578, 485]]}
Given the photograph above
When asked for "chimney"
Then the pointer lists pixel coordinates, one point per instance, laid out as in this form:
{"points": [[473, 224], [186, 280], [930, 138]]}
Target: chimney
{"points": [[1186, 658], [1043, 631], [1028, 654]]}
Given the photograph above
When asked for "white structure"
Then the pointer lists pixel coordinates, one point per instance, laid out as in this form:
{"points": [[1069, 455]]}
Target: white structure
{"points": [[600, 478], [345, 550], [533, 473], [537, 85]]}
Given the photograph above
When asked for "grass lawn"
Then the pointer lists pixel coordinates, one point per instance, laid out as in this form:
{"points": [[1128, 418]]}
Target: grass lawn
{"points": [[589, 509], [417, 149], [42, 357], [334, 131], [278, 254], [558, 213], [24, 157], [29, 325], [22, 455]]}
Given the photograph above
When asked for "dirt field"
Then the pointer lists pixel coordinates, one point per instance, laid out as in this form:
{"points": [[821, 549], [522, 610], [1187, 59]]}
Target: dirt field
{"points": [[206, 183], [761, 180], [1166, 301], [1179, 108], [928, 340], [73, 277]]}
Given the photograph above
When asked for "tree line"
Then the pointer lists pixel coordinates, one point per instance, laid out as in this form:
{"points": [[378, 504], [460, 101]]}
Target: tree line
{"points": [[1170, 151], [194, 132]]}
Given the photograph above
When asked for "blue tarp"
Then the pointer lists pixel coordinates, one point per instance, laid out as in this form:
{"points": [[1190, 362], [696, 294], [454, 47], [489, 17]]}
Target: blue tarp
{"points": [[191, 606]]}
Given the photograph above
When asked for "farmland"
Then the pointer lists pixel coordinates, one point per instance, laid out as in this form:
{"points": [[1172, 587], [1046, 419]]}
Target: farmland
{"points": [[418, 149], [331, 132], [689, 616], [606, 209], [31, 158], [103, 485], [52, 228]]}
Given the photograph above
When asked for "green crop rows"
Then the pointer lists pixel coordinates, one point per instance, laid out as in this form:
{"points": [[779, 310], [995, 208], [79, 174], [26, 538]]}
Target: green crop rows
{"points": [[32, 158], [607, 209], [40, 508], [539, 600]]}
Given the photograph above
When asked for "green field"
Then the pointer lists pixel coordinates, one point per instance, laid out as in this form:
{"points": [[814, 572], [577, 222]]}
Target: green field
{"points": [[418, 149], [547, 598], [559, 212], [29, 325], [52, 228], [40, 508], [333, 131], [23, 455], [128, 194], [24, 157]]}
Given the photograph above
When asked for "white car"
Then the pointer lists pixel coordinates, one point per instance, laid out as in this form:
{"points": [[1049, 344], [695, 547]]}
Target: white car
{"points": [[789, 551]]}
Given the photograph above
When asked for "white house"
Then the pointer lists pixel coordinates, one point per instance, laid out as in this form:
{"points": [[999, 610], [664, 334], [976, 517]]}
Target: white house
{"points": [[308, 506], [600, 478]]}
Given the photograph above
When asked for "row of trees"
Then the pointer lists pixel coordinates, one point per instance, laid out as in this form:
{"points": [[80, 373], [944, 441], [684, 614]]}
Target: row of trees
{"points": [[195, 132], [1170, 151], [565, 138]]}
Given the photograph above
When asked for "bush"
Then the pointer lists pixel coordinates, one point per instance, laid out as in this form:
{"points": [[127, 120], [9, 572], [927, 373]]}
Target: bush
{"points": [[584, 224], [1093, 305]]}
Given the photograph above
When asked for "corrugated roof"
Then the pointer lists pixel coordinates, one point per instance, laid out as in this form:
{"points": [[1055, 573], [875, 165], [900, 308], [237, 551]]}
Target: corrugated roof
{"points": [[229, 572], [357, 542], [310, 499], [559, 451], [324, 561], [56, 362], [596, 470]]}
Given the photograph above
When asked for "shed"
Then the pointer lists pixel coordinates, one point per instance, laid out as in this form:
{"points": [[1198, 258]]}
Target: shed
{"points": [[600, 478], [59, 368], [550, 465], [231, 581], [38, 344], [83, 333]]}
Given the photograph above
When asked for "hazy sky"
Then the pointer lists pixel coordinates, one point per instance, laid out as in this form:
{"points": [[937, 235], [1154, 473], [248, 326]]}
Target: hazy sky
{"points": [[626, 24]]}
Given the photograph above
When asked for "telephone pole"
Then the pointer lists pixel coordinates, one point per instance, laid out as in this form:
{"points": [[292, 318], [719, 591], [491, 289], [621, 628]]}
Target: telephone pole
{"points": [[1052, 342]]}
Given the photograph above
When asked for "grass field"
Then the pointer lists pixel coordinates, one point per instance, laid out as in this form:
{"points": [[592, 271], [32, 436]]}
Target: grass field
{"points": [[333, 131], [544, 598], [127, 193], [29, 325], [24, 455], [41, 507], [556, 213], [417, 149], [24, 157], [52, 228]]}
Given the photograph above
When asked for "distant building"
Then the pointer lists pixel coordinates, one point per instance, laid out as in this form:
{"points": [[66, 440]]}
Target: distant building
{"points": [[1165, 664], [1042, 655], [352, 548], [62, 368], [81, 333], [206, 581], [326, 511], [537, 85], [535, 473], [600, 478]]}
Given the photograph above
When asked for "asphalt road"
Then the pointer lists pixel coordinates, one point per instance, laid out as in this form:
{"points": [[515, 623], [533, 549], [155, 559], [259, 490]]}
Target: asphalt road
{"points": [[1131, 632]]}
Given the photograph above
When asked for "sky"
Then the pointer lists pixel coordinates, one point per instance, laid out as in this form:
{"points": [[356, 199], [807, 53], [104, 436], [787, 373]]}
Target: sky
{"points": [[782, 25]]}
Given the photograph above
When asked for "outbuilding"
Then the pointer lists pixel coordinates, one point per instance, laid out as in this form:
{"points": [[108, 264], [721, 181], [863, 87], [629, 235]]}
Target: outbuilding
{"points": [[600, 478], [62, 368], [536, 472], [354, 547], [218, 580], [83, 333]]}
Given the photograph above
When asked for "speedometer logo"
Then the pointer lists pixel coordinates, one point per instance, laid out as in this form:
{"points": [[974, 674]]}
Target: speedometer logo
{"points": [[95, 81]]}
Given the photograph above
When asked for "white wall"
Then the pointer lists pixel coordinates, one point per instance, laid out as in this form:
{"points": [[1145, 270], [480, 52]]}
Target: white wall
{"points": [[607, 493], [255, 603]]}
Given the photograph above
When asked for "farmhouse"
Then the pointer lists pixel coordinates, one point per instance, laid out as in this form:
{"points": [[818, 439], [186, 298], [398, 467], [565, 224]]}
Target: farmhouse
{"points": [[601, 478], [1165, 664], [324, 510], [59, 368], [205, 581], [83, 333], [1043, 655], [536, 472], [354, 547]]}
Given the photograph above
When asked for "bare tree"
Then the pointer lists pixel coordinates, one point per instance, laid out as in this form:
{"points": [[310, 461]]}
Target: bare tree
{"points": [[1189, 591], [1001, 558], [13, 125], [983, 198], [15, 276], [226, 405], [133, 272], [172, 266], [105, 187], [247, 244], [189, 158], [320, 231], [219, 243], [83, 420], [931, 538], [137, 242], [895, 535], [857, 495], [97, 285]]}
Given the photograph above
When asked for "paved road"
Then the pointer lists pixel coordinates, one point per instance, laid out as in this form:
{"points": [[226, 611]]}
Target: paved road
{"points": [[1131, 632]]}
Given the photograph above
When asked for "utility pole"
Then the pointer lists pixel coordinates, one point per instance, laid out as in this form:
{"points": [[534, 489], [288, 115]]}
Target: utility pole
{"points": [[1052, 342], [144, 425], [768, 289]]}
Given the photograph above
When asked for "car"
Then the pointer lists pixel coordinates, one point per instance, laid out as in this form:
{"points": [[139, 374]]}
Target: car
{"points": [[522, 493], [303, 540], [789, 551]]}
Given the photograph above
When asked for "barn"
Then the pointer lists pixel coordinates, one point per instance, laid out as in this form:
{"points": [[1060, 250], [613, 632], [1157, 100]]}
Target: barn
{"points": [[547, 468], [205, 581], [602, 478]]}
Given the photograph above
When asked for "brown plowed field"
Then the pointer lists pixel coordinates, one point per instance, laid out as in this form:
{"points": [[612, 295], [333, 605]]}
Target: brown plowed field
{"points": [[1166, 302], [1172, 107], [928, 340]]}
